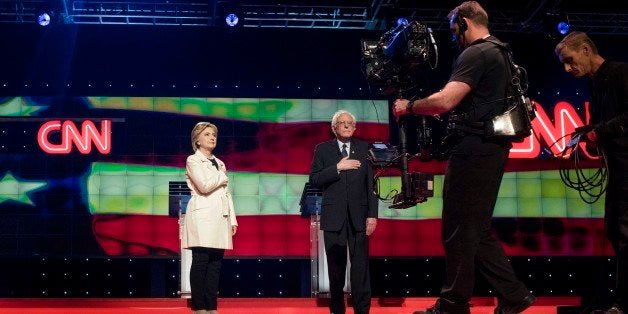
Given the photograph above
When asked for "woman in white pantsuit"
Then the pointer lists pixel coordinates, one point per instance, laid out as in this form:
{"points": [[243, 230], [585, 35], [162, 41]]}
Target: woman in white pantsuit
{"points": [[210, 220]]}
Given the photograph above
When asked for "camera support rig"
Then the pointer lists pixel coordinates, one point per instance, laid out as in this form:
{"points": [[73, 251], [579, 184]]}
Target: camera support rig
{"points": [[395, 61]]}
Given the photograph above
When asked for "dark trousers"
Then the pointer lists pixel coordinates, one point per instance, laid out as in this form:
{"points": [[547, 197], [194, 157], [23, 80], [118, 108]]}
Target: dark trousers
{"points": [[616, 221], [204, 276], [470, 191], [336, 243]]}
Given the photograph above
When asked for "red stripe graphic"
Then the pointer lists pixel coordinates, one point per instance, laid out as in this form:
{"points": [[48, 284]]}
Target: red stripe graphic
{"points": [[289, 236]]}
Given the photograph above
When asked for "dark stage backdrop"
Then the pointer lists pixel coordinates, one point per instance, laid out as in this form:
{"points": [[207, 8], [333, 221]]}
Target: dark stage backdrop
{"points": [[95, 126]]}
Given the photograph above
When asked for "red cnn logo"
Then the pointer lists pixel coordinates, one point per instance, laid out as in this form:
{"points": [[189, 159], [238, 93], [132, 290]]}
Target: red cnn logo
{"points": [[82, 139]]}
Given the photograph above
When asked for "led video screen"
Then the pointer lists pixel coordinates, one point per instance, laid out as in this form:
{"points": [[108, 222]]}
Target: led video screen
{"points": [[100, 176]]}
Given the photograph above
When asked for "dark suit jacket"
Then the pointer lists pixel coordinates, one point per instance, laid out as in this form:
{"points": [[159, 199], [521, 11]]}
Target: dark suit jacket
{"points": [[352, 189]]}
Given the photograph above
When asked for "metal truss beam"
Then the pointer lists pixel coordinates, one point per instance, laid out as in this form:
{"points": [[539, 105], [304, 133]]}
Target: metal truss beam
{"points": [[599, 23], [290, 16], [368, 15], [144, 13], [20, 11]]}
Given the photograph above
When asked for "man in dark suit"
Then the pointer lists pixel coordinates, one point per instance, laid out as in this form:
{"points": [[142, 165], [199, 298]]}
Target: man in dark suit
{"points": [[349, 214]]}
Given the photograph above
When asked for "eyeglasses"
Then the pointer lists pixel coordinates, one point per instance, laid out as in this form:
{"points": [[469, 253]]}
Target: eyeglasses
{"points": [[345, 123]]}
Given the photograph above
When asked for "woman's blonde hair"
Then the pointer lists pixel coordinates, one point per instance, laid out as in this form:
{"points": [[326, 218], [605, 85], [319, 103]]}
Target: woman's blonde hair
{"points": [[198, 129]]}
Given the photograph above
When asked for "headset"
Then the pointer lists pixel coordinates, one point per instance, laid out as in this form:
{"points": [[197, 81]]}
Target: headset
{"points": [[462, 24], [462, 27]]}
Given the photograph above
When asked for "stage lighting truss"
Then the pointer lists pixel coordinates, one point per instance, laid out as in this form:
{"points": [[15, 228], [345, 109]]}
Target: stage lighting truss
{"points": [[143, 13], [21, 11], [298, 16], [329, 14]]}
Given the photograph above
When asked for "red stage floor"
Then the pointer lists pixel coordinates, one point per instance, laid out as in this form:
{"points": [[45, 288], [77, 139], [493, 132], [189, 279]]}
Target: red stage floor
{"points": [[544, 305]]}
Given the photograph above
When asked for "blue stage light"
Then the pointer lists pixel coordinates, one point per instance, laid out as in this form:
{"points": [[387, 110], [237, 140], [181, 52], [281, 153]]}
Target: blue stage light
{"points": [[562, 27], [43, 19], [402, 21], [232, 19]]}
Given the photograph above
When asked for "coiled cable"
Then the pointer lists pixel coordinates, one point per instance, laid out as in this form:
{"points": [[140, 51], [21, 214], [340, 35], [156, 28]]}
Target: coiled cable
{"points": [[590, 185]]}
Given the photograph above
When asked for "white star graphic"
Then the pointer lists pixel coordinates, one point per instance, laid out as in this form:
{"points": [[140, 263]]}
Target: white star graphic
{"points": [[12, 189], [18, 106]]}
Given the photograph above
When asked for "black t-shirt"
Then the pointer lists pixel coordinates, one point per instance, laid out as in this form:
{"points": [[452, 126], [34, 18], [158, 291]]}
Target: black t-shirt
{"points": [[483, 66]]}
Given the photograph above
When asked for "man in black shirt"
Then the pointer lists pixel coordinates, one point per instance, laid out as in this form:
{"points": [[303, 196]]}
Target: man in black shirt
{"points": [[475, 167], [609, 116]]}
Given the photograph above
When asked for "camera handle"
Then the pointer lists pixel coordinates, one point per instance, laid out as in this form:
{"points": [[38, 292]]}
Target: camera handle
{"points": [[406, 186]]}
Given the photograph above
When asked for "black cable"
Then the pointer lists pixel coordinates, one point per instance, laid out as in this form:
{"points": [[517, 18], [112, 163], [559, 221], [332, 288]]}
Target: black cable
{"points": [[391, 194], [590, 187]]}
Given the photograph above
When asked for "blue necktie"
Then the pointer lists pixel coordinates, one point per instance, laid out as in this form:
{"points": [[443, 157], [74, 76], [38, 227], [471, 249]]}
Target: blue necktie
{"points": [[344, 150]]}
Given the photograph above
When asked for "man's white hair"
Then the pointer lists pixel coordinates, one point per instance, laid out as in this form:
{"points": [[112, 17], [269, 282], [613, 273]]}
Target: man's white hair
{"points": [[334, 118]]}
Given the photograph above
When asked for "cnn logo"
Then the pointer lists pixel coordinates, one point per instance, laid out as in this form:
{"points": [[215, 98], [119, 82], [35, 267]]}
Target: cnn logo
{"points": [[82, 139]]}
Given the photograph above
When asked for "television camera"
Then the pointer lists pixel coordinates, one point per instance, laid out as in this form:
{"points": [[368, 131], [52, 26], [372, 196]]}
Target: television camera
{"points": [[395, 61], [398, 55]]}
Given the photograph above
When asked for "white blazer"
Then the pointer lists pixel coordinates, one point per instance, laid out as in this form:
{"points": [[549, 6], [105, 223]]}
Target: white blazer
{"points": [[209, 214]]}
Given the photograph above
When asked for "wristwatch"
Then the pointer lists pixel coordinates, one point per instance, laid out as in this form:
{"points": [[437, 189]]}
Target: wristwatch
{"points": [[409, 107]]}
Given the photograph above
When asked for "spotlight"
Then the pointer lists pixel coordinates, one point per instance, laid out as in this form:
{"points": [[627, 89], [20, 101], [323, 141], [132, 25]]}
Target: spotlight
{"points": [[43, 19], [232, 19], [557, 24], [563, 27]]}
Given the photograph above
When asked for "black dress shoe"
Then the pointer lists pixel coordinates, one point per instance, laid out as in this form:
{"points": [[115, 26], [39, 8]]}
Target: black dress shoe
{"points": [[443, 306], [515, 308]]}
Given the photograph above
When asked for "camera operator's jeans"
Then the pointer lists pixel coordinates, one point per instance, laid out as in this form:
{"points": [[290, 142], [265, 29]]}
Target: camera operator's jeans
{"points": [[470, 191]]}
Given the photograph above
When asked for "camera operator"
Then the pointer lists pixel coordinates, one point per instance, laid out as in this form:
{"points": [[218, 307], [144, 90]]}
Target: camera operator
{"points": [[476, 90]]}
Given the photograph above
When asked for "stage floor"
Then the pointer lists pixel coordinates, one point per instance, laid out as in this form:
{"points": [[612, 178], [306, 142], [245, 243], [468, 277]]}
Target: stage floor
{"points": [[544, 305]]}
